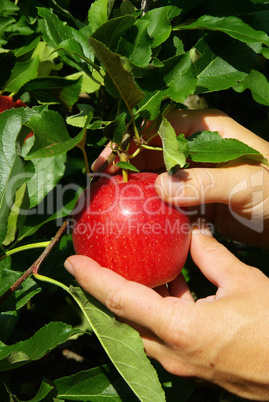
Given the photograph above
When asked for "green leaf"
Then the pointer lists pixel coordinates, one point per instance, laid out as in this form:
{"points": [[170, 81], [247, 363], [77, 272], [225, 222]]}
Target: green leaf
{"points": [[99, 12], [88, 84], [208, 146], [44, 389], [8, 8], [5, 24], [224, 62], [265, 52], [115, 130], [34, 45], [122, 79], [56, 33], [8, 319], [20, 28], [94, 385], [183, 144], [259, 86], [38, 216], [54, 90], [172, 155], [232, 26], [136, 44], [124, 347], [22, 73], [175, 80], [48, 172], [127, 7], [21, 296], [41, 343], [80, 119], [127, 165], [111, 32], [51, 135], [13, 170], [159, 27], [17, 214], [74, 55]]}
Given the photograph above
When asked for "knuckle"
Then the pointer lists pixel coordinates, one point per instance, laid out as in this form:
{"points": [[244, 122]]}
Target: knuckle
{"points": [[177, 332], [200, 182], [114, 301], [175, 366], [213, 248]]}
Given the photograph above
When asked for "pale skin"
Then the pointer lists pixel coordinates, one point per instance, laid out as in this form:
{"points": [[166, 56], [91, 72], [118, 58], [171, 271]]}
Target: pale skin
{"points": [[224, 338]]}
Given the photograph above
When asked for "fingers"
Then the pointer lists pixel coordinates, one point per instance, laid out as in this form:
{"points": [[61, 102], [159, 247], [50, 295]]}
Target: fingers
{"points": [[220, 266], [112, 168], [128, 300], [180, 289], [191, 121], [234, 186]]}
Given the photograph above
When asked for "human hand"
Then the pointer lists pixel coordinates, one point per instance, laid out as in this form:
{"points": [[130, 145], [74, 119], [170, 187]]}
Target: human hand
{"points": [[222, 339], [233, 197]]}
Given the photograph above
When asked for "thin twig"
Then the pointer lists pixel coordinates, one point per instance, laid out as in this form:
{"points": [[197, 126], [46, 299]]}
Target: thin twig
{"points": [[144, 6], [35, 266]]}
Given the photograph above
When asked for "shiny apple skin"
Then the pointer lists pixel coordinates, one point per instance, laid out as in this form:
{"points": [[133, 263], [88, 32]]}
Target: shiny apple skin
{"points": [[127, 228]]}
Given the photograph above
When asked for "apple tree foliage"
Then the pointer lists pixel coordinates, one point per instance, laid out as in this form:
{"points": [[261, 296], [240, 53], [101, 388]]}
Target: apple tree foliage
{"points": [[88, 74]]}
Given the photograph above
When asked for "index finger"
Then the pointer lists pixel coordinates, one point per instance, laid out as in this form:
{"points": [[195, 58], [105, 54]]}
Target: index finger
{"points": [[129, 300], [112, 168]]}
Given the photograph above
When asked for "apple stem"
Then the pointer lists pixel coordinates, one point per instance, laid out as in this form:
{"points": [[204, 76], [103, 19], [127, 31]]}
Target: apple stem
{"points": [[124, 158], [151, 148], [36, 265], [42, 244], [87, 167], [135, 153]]}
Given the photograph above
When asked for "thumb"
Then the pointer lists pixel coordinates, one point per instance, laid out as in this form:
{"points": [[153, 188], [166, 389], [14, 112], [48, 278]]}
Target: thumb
{"points": [[214, 260], [228, 185]]}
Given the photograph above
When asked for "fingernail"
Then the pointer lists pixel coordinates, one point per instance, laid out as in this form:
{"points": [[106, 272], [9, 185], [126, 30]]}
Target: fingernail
{"points": [[201, 226], [93, 166], [69, 267]]}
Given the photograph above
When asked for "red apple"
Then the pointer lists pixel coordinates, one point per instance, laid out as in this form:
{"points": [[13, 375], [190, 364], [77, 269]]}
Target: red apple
{"points": [[6, 102], [127, 228]]}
